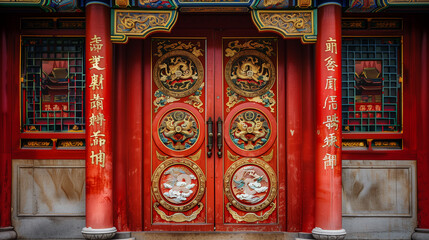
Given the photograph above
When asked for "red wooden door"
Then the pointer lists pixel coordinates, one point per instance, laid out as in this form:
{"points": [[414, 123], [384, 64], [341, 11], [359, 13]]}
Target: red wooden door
{"points": [[212, 119]]}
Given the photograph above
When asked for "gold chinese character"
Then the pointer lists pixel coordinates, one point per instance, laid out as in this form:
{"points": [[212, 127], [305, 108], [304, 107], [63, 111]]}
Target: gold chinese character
{"points": [[95, 61], [331, 83], [332, 121], [96, 119], [331, 45], [330, 141], [98, 140], [99, 157], [97, 102], [96, 81], [330, 64], [331, 103], [95, 44], [330, 160]]}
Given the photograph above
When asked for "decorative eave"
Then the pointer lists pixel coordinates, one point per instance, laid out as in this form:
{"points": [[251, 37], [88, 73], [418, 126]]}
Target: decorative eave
{"points": [[290, 24], [140, 23]]}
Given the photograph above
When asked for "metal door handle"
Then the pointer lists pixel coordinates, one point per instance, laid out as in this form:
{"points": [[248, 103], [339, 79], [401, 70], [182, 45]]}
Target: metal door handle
{"points": [[219, 137], [210, 138]]}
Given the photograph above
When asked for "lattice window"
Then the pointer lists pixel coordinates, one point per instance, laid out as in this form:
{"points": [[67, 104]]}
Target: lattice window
{"points": [[370, 84], [52, 84]]}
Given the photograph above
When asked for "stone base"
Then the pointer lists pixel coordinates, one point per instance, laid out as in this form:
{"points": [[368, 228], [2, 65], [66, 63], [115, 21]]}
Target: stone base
{"points": [[7, 233], [420, 234], [321, 234], [103, 233], [214, 235]]}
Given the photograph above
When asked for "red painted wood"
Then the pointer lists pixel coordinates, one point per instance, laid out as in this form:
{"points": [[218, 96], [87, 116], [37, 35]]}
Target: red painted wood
{"points": [[99, 180], [134, 141], [423, 133], [120, 155], [328, 181], [294, 61], [5, 126], [307, 149]]}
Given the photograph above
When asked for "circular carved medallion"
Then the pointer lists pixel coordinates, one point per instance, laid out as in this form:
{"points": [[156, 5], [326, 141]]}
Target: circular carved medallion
{"points": [[177, 128], [250, 184], [178, 73], [178, 184], [250, 73], [251, 129]]}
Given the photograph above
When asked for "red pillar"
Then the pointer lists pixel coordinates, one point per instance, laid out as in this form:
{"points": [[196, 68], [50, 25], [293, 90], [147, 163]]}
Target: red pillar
{"points": [[6, 229], [98, 105], [421, 44], [328, 123]]}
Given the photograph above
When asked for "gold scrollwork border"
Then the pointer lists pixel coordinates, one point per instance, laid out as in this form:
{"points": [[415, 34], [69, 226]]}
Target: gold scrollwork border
{"points": [[251, 217], [228, 179], [288, 23], [140, 23], [242, 92], [187, 92], [178, 217], [157, 176]]}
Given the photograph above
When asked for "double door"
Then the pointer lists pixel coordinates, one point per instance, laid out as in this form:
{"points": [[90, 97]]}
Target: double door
{"points": [[214, 120]]}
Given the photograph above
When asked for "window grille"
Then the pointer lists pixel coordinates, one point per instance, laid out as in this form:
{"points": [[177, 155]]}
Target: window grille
{"points": [[370, 84], [52, 84]]}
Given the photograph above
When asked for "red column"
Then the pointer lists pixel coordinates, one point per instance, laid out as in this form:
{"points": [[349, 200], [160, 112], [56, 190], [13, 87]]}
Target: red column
{"points": [[328, 124], [99, 171], [6, 229]]}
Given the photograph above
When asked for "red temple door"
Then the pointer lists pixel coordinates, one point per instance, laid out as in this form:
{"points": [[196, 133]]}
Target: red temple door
{"points": [[212, 158]]}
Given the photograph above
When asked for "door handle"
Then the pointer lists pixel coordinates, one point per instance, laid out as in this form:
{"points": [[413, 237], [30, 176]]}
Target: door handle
{"points": [[219, 137], [210, 138]]}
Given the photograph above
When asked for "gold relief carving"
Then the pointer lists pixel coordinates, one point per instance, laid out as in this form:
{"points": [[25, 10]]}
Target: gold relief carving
{"points": [[262, 45], [232, 157], [250, 73], [178, 217], [268, 3], [178, 73], [353, 144], [233, 98], [161, 157], [286, 22], [164, 47], [251, 217], [304, 3], [122, 3], [246, 175], [71, 143], [36, 143], [195, 100], [33, 128], [290, 22], [196, 157], [137, 23], [181, 203], [268, 157], [266, 99], [161, 100]]}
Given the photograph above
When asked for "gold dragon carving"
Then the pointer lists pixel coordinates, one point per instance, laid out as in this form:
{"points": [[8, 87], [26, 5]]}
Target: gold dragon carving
{"points": [[164, 46], [138, 23], [235, 47], [195, 100], [289, 22]]}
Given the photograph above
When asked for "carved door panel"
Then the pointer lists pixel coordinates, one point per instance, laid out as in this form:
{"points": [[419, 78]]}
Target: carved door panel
{"points": [[213, 160], [251, 171]]}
